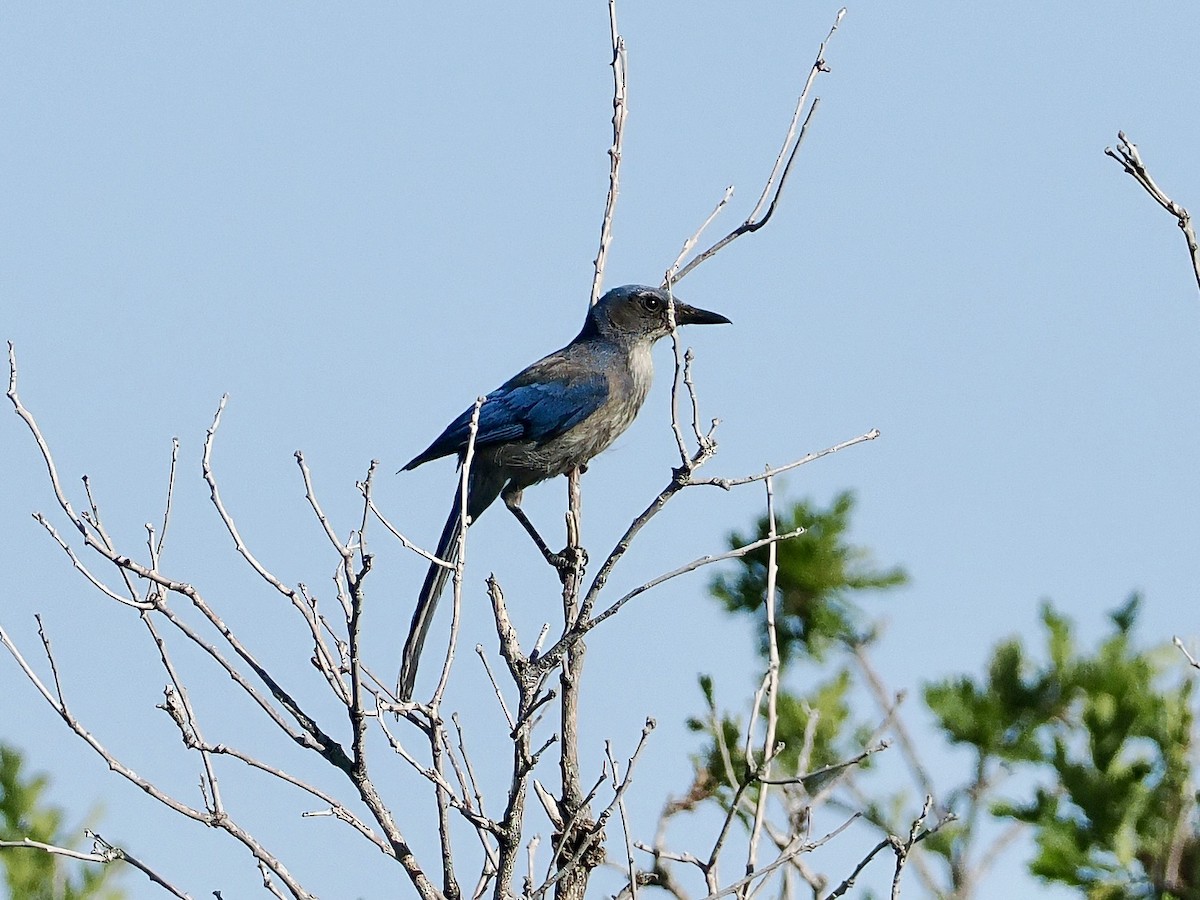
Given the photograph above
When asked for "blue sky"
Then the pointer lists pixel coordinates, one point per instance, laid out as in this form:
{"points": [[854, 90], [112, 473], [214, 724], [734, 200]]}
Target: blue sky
{"points": [[356, 221]]}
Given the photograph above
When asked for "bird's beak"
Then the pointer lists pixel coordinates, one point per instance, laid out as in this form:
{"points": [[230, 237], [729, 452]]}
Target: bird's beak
{"points": [[690, 315]]}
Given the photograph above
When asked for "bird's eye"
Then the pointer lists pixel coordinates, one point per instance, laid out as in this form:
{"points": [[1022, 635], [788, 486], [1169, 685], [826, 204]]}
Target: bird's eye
{"points": [[652, 302]]}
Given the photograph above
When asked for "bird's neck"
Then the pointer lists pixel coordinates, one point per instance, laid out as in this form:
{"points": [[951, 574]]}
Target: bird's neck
{"points": [[641, 369]]}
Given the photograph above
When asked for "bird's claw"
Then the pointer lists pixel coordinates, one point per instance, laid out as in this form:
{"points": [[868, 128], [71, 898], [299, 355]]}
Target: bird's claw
{"points": [[568, 559]]}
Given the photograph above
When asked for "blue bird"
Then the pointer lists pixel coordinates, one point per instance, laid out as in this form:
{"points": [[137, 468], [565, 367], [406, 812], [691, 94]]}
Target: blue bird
{"points": [[549, 420]]}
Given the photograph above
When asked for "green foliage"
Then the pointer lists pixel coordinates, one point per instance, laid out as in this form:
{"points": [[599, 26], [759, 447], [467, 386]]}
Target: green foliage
{"points": [[722, 767], [1111, 740], [35, 874], [1101, 737], [817, 573]]}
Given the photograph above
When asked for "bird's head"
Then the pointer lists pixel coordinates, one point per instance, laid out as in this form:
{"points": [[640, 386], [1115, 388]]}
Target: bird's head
{"points": [[635, 312]]}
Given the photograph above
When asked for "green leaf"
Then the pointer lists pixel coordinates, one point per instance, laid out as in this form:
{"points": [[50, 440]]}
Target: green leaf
{"points": [[818, 573]]}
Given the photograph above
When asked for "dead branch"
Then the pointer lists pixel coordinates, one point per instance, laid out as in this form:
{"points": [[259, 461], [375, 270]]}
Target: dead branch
{"points": [[1131, 161]]}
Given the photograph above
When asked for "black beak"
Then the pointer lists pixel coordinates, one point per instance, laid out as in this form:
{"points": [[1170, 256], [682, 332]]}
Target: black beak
{"points": [[690, 315]]}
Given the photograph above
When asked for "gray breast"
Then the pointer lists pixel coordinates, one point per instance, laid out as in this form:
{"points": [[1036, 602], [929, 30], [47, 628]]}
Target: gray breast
{"points": [[627, 389]]}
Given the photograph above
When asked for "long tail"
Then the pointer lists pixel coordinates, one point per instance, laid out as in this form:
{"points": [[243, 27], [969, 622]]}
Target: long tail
{"points": [[431, 590]]}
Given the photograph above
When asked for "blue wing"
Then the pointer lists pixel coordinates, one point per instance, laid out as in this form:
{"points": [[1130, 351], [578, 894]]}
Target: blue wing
{"points": [[538, 405]]}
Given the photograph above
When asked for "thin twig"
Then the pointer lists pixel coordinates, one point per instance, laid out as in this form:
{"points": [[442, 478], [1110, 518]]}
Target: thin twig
{"points": [[888, 704], [482, 654], [690, 243], [697, 563], [226, 518], [915, 837], [727, 483], [772, 685], [902, 848], [1182, 649], [105, 854], [43, 447], [620, 68], [166, 519], [311, 496], [405, 542], [630, 863], [179, 707], [460, 557], [833, 767], [77, 563], [783, 162], [224, 822], [1131, 160]]}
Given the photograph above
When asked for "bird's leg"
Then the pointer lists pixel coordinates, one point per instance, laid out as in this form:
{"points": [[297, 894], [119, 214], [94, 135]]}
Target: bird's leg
{"points": [[574, 551], [560, 561]]}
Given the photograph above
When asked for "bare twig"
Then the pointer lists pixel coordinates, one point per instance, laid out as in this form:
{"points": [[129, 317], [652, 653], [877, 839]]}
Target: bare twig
{"points": [[1131, 160], [830, 769], [888, 704], [166, 519], [83, 570], [783, 162], [1182, 649], [460, 557], [771, 684], [311, 496], [690, 243], [405, 542], [620, 68], [630, 863], [692, 566], [226, 518], [104, 853], [782, 859], [508, 717], [223, 821], [901, 848], [179, 707], [42, 446], [728, 483]]}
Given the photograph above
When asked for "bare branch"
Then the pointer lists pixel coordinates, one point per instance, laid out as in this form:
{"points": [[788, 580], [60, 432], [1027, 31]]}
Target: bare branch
{"points": [[630, 863], [690, 243], [481, 653], [783, 163], [728, 483], [460, 557], [405, 542], [771, 685], [831, 768], [620, 68], [310, 495], [82, 569], [42, 446], [222, 821], [782, 859], [226, 518], [697, 563], [438, 780], [104, 853], [888, 703], [179, 707], [901, 848], [166, 519], [1182, 649], [1131, 160]]}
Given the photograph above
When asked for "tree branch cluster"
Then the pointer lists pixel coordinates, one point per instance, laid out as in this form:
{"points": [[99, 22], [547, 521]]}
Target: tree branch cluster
{"points": [[372, 729]]}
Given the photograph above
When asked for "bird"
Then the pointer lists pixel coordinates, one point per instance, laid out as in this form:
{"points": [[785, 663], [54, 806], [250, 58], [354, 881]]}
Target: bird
{"points": [[548, 420]]}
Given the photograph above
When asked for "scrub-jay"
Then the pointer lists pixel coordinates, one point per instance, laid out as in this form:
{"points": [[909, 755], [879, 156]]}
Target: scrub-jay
{"points": [[548, 420]]}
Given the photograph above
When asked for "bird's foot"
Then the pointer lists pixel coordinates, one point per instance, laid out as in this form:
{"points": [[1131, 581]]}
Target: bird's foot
{"points": [[568, 559]]}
